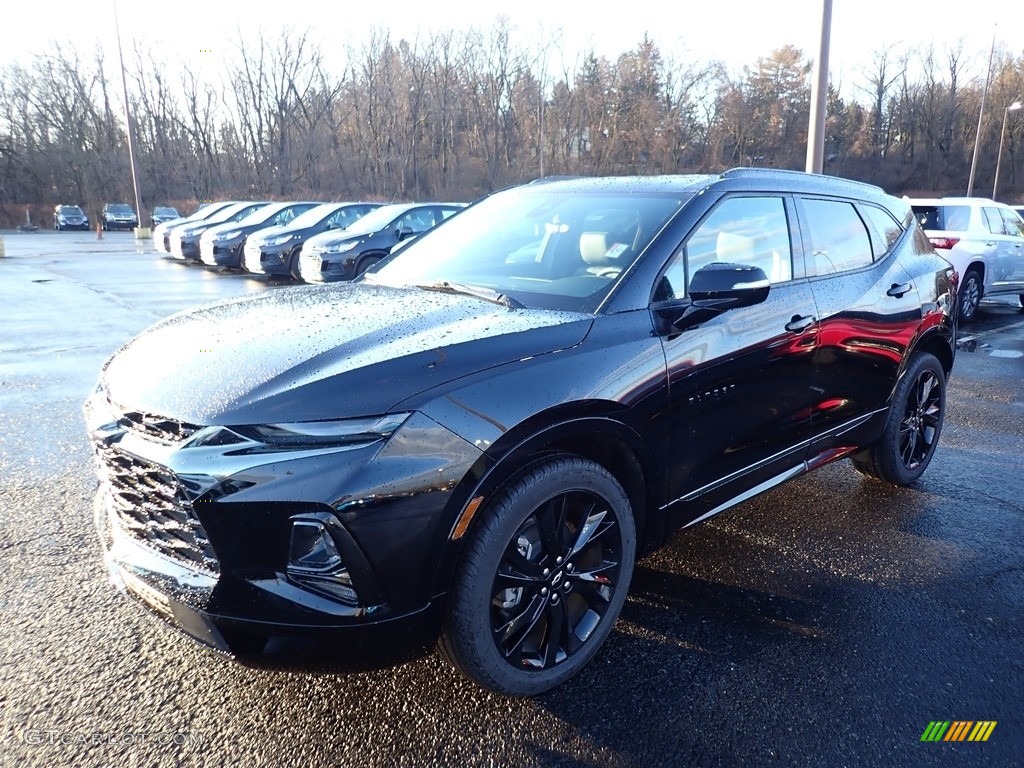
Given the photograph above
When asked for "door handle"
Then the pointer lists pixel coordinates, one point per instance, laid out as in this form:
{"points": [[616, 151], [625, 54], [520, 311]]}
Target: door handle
{"points": [[800, 323], [898, 290], [990, 243]]}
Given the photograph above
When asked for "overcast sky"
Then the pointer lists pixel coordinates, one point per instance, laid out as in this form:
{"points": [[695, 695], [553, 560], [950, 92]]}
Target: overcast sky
{"points": [[734, 31]]}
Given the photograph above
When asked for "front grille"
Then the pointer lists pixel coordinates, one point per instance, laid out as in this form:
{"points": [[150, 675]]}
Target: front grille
{"points": [[152, 506], [165, 430]]}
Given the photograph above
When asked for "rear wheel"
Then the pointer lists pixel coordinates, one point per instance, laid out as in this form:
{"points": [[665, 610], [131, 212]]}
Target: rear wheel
{"points": [[542, 578], [970, 295], [903, 452]]}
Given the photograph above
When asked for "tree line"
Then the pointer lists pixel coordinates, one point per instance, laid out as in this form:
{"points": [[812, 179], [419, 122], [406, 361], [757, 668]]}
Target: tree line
{"points": [[454, 115]]}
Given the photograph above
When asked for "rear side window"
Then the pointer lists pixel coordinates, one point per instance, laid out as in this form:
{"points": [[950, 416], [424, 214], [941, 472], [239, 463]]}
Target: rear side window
{"points": [[839, 239], [993, 221], [885, 230], [953, 218]]}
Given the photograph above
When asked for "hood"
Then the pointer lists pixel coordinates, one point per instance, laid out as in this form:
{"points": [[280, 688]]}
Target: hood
{"points": [[328, 236], [269, 233], [323, 352]]}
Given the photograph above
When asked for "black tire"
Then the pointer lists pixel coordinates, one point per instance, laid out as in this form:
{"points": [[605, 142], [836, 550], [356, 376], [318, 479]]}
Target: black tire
{"points": [[969, 295], [293, 264], [902, 454], [559, 539], [365, 263]]}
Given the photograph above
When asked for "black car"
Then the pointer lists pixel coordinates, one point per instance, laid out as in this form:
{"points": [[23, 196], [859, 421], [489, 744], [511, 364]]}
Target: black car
{"points": [[69, 217], [184, 240], [222, 246], [346, 255], [481, 435], [162, 214], [275, 250], [118, 216]]}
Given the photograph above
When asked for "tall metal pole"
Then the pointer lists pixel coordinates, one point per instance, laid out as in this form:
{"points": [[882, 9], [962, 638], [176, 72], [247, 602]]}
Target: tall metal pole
{"points": [[981, 112], [1002, 134], [819, 96], [128, 121]]}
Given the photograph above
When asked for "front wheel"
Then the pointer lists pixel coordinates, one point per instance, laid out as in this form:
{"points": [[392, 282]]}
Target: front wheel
{"points": [[911, 434], [542, 578], [365, 263], [970, 295], [293, 264]]}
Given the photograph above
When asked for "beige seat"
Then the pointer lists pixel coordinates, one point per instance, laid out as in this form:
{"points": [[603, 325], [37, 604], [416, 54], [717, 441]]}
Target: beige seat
{"points": [[594, 251]]}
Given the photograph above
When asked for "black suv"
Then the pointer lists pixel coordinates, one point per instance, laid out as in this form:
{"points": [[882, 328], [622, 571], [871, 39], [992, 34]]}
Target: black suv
{"points": [[482, 434], [118, 216], [69, 217]]}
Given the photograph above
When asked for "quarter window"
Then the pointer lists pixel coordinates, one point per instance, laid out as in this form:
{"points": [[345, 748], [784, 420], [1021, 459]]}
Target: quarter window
{"points": [[993, 221], [839, 239], [885, 230]]}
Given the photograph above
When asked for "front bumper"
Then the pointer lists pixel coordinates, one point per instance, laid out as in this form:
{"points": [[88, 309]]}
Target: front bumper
{"points": [[200, 533], [185, 247], [221, 253], [263, 259], [120, 224], [326, 267]]}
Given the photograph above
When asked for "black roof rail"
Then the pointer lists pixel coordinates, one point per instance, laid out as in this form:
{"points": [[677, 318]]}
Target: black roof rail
{"points": [[751, 171]]}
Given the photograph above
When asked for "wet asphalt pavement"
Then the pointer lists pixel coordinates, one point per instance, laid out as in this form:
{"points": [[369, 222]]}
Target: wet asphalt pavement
{"points": [[825, 623]]}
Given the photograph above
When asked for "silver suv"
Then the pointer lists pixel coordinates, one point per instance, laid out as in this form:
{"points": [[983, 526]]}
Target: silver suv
{"points": [[983, 239]]}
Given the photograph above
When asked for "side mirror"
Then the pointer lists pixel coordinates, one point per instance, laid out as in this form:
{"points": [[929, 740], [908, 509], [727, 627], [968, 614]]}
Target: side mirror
{"points": [[728, 286], [714, 289], [403, 232]]}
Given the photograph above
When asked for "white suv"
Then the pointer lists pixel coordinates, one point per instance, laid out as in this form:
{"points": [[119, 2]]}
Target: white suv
{"points": [[983, 239]]}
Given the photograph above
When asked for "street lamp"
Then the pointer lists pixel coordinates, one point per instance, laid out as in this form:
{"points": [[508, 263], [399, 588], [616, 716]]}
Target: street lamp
{"points": [[1002, 134]]}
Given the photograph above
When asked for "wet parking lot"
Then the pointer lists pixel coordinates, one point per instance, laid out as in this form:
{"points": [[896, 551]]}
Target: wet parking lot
{"points": [[825, 623]]}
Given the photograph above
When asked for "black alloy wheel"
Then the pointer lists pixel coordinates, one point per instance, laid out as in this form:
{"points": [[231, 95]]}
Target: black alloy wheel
{"points": [[912, 429], [543, 579]]}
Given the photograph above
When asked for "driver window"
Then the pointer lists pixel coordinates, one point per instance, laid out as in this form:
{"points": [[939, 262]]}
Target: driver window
{"points": [[741, 230]]}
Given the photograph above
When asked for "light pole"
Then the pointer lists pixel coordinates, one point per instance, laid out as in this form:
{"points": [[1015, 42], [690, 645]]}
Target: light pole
{"points": [[819, 96], [981, 114], [1002, 134], [128, 126]]}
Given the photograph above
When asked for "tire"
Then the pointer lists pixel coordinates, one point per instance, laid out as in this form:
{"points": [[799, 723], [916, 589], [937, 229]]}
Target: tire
{"points": [[969, 295], [365, 263], [293, 264], [560, 540], [902, 454]]}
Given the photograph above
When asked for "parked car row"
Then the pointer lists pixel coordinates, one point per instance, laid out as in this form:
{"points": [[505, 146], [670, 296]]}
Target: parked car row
{"points": [[309, 241], [113, 216]]}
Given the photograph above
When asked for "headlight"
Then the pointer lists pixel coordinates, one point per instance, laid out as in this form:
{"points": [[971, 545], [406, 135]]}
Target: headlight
{"points": [[280, 240], [228, 235], [322, 434], [341, 247]]}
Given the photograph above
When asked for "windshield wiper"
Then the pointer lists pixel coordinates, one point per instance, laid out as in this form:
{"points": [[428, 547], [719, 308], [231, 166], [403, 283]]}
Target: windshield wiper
{"points": [[487, 294]]}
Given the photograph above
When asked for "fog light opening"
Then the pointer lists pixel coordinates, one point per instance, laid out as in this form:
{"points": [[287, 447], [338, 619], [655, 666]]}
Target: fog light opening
{"points": [[315, 563]]}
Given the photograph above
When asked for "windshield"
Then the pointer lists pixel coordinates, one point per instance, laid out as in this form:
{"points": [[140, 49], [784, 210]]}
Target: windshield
{"points": [[556, 250], [313, 216], [70, 210], [376, 220], [260, 215], [165, 212], [119, 208]]}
